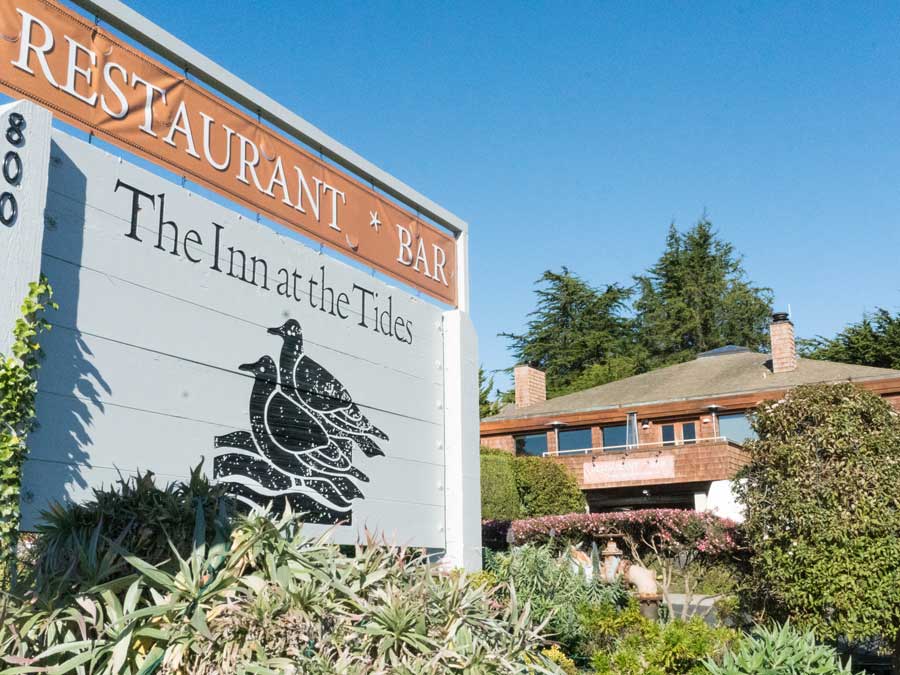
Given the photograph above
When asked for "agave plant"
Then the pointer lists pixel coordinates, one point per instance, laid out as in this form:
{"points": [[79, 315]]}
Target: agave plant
{"points": [[555, 589], [260, 597], [780, 650], [73, 550]]}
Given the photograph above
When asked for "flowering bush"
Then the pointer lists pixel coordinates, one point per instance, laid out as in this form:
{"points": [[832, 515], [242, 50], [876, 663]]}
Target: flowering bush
{"points": [[667, 529], [682, 546]]}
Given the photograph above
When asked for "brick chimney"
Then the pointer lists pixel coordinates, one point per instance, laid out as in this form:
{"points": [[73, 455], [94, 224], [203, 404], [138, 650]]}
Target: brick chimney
{"points": [[531, 386], [784, 349]]}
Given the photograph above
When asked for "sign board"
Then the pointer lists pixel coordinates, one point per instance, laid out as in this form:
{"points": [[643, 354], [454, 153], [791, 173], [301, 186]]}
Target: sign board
{"points": [[613, 469], [91, 79], [188, 335]]}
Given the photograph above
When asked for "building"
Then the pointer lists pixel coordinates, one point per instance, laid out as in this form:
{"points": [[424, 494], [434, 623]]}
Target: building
{"points": [[671, 437]]}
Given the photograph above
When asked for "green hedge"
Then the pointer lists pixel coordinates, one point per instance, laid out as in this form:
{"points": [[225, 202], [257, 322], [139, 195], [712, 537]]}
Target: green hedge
{"points": [[524, 487], [499, 496], [546, 488]]}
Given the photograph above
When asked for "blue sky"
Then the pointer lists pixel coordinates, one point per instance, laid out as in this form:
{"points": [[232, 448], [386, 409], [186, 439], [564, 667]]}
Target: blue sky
{"points": [[574, 133]]}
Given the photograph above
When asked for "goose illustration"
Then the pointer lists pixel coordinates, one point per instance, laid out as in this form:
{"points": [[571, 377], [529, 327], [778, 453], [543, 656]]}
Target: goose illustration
{"points": [[321, 393], [303, 429]]}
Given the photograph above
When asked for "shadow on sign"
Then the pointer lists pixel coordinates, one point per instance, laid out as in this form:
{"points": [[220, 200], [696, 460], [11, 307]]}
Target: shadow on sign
{"points": [[69, 385]]}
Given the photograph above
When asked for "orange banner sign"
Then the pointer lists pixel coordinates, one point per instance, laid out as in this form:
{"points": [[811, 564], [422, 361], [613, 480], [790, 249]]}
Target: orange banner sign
{"points": [[93, 80]]}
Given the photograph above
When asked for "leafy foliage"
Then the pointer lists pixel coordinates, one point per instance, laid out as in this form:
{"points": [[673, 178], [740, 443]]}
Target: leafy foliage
{"points": [[629, 644], [574, 326], [512, 487], [18, 389], [779, 650], [696, 297], [260, 597], [487, 404], [557, 591], [499, 495], [823, 512], [873, 341], [546, 488]]}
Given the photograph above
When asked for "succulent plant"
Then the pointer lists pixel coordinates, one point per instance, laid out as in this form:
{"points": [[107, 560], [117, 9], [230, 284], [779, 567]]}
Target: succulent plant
{"points": [[780, 650], [258, 596]]}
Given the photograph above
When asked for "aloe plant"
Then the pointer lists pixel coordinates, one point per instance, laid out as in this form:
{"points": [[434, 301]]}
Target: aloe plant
{"points": [[780, 650], [556, 589], [260, 597]]}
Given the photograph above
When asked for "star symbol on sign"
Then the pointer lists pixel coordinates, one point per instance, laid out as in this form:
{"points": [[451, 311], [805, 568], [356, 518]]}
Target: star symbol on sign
{"points": [[374, 222]]}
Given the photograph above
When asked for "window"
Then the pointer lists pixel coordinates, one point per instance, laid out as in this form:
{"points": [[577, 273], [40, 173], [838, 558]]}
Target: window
{"points": [[615, 437], [532, 444], [631, 434], [575, 439], [668, 434], [689, 433], [736, 427]]}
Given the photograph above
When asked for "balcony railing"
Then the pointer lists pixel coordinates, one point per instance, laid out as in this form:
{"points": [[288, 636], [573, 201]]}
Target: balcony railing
{"points": [[640, 446]]}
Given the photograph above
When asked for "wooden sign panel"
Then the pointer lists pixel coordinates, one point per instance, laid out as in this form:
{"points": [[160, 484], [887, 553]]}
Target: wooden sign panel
{"points": [[189, 334], [91, 79], [616, 469]]}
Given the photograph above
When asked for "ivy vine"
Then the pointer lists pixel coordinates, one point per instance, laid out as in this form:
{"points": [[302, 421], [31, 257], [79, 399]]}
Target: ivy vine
{"points": [[18, 388]]}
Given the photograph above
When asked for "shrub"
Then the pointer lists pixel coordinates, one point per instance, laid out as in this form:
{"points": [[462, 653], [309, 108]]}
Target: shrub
{"points": [[262, 598], [546, 488], [629, 644], [513, 487], [499, 496], [75, 544], [823, 514], [780, 650]]}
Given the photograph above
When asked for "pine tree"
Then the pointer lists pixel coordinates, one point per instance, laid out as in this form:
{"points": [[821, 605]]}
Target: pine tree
{"points": [[873, 341], [487, 405], [575, 326], [696, 297]]}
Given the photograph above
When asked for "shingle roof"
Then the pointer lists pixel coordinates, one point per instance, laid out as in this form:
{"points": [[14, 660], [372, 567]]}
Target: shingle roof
{"points": [[713, 374]]}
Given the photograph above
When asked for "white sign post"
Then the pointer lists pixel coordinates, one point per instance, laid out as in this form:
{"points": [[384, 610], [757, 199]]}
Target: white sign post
{"points": [[189, 334], [24, 151]]}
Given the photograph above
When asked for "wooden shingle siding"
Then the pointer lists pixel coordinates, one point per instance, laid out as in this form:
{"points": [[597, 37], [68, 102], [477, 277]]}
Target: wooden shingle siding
{"points": [[702, 461]]}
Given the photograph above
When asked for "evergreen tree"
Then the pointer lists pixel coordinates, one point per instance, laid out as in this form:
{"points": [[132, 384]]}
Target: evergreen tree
{"points": [[487, 406], [574, 327], [696, 297], [873, 341]]}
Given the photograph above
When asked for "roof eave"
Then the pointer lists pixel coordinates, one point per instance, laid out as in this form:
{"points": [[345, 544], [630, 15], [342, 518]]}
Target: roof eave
{"points": [[496, 424]]}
